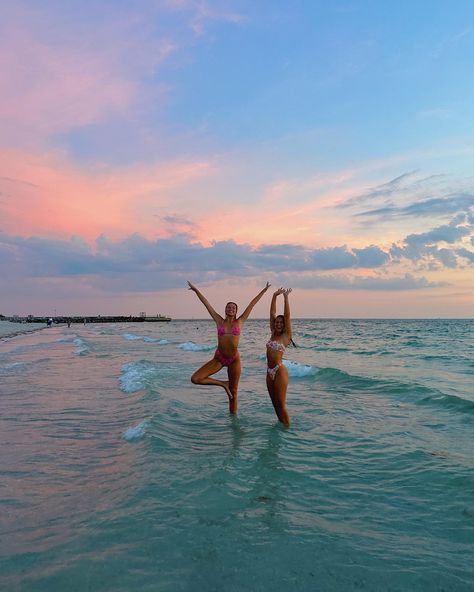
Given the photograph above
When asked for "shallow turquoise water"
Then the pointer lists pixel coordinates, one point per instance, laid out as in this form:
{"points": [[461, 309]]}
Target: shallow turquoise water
{"points": [[118, 474]]}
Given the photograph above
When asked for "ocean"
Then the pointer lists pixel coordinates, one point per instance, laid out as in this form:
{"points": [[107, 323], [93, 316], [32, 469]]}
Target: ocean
{"points": [[118, 474]]}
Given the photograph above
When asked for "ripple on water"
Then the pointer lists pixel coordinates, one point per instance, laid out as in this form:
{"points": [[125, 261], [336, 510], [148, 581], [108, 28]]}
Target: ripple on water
{"points": [[121, 475]]}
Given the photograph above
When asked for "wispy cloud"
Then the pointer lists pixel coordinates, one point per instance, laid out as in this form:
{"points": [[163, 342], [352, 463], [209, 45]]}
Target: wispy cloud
{"points": [[408, 186], [369, 283], [65, 199], [177, 224], [384, 190], [435, 206], [19, 181], [55, 83], [202, 13], [437, 113]]}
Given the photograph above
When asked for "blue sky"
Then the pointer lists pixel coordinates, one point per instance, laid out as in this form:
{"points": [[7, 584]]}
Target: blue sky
{"points": [[133, 133], [381, 77]]}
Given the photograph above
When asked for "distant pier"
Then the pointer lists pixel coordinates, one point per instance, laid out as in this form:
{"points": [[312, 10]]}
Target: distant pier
{"points": [[91, 319]]}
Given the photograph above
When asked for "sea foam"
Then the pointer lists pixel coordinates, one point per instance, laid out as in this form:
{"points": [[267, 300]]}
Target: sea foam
{"points": [[12, 367], [135, 432], [133, 337], [137, 375], [191, 346], [81, 345], [296, 370]]}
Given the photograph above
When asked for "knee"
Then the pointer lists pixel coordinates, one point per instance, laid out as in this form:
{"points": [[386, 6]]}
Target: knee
{"points": [[194, 379]]}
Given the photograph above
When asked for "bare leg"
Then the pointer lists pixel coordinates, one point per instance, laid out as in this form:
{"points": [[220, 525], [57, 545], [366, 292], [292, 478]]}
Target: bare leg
{"points": [[270, 386], [233, 372], [202, 376], [277, 390]]}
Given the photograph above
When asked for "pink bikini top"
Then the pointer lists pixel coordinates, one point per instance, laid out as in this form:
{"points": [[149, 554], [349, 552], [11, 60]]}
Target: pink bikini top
{"points": [[221, 330]]}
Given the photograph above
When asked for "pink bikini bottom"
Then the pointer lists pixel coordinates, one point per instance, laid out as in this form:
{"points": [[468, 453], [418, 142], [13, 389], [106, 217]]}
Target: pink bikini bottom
{"points": [[224, 360]]}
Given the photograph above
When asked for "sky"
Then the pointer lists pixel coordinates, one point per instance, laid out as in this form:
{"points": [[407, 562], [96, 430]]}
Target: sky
{"points": [[322, 146]]}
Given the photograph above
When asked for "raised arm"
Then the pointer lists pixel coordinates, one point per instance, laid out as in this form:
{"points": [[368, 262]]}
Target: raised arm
{"points": [[217, 317], [286, 312], [273, 307], [245, 315]]}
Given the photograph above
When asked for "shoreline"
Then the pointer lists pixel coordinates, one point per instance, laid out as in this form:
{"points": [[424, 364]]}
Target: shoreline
{"points": [[9, 329]]}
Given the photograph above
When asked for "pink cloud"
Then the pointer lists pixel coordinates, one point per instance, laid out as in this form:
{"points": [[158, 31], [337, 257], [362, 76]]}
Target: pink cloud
{"points": [[51, 90], [292, 210], [61, 82], [45, 194]]}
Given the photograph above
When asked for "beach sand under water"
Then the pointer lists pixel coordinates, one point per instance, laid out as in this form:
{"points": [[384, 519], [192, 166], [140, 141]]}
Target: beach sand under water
{"points": [[117, 474]]}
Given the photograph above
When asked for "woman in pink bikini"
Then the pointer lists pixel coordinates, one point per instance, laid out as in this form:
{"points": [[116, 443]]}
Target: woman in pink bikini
{"points": [[277, 374], [227, 354]]}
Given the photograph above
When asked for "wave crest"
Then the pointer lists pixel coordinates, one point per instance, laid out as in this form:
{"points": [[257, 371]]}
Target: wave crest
{"points": [[191, 346], [137, 375], [135, 432], [296, 370]]}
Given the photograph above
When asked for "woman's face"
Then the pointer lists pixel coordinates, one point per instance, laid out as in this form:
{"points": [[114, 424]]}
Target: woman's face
{"points": [[230, 309], [279, 325]]}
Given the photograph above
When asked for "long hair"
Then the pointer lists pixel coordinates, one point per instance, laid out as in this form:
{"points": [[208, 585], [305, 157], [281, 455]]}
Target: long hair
{"points": [[283, 319]]}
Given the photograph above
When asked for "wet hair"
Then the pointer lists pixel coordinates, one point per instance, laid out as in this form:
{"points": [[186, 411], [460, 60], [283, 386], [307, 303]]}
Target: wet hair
{"points": [[283, 319], [236, 307]]}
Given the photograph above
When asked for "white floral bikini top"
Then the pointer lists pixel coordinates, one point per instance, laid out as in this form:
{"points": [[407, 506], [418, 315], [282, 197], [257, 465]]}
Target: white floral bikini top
{"points": [[276, 345]]}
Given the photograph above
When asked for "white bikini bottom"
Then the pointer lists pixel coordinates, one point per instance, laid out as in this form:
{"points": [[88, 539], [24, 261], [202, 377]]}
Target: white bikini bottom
{"points": [[272, 371]]}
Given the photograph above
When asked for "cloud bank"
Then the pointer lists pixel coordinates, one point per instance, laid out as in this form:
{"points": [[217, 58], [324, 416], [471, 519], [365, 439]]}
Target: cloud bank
{"points": [[140, 264]]}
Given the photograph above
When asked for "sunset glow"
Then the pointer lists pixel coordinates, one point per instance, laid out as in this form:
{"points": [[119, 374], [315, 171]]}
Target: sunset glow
{"points": [[325, 148]]}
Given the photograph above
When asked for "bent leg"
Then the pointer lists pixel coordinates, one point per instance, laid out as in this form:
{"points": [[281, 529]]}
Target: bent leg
{"points": [[233, 372], [202, 376], [278, 395]]}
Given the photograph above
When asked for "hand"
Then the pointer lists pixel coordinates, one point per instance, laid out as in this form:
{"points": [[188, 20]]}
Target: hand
{"points": [[191, 287], [286, 291], [279, 291], [267, 286]]}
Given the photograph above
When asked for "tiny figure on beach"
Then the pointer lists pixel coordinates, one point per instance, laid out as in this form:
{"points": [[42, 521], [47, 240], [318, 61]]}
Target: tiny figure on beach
{"points": [[277, 373], [227, 353]]}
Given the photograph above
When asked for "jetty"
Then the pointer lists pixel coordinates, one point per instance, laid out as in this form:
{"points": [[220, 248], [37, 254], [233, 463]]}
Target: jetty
{"points": [[141, 318]]}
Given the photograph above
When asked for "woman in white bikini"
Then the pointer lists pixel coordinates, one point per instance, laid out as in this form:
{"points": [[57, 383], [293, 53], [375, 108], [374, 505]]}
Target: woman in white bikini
{"points": [[277, 374], [227, 353]]}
